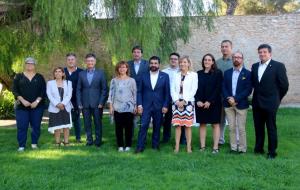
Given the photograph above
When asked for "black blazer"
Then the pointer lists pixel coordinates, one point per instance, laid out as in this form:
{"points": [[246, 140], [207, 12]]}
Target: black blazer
{"points": [[272, 87]]}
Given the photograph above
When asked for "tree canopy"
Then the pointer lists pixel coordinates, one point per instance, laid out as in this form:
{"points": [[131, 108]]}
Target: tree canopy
{"points": [[37, 28]]}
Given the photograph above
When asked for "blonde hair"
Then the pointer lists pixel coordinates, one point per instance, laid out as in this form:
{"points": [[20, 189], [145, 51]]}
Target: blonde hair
{"points": [[190, 68]]}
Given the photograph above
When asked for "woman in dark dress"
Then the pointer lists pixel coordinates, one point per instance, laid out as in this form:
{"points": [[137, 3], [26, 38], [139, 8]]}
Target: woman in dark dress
{"points": [[208, 100], [29, 89], [59, 92]]}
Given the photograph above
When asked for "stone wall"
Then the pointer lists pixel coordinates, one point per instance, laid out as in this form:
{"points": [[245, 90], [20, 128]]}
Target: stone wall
{"points": [[282, 32]]}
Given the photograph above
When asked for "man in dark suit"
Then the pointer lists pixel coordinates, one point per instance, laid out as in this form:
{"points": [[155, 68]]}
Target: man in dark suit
{"points": [[153, 97], [72, 73], [236, 88], [270, 84], [137, 66], [91, 97]]}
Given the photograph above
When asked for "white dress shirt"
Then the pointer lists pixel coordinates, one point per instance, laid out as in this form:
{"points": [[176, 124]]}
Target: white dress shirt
{"points": [[172, 73], [261, 69], [153, 78], [235, 76], [190, 86]]}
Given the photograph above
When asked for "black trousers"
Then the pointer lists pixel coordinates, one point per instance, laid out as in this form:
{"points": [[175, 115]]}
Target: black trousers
{"points": [[124, 121], [262, 118], [167, 124]]}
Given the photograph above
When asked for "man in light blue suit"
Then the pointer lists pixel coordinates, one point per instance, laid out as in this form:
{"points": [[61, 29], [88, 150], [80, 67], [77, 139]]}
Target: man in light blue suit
{"points": [[153, 97], [91, 97]]}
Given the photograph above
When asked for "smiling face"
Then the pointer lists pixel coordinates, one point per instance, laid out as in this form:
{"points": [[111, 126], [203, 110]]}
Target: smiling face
{"points": [[122, 69], [264, 54], [208, 62], [174, 61], [154, 65], [184, 64], [58, 73], [30, 67], [237, 59], [90, 62], [71, 61]]}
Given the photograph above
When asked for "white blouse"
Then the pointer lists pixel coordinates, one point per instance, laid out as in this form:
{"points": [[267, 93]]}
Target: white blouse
{"points": [[190, 85]]}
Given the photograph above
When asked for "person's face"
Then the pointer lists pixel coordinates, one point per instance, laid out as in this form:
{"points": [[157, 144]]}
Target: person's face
{"points": [[90, 62], [137, 54], [174, 61], [58, 74], [123, 70], [184, 65], [264, 54], [208, 62], [226, 48], [29, 67], [71, 61], [237, 59], [154, 65]]}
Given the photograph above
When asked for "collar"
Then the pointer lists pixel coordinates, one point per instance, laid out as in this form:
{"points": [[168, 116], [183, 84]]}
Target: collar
{"points": [[239, 70], [227, 59], [266, 63], [154, 73], [137, 62], [173, 69], [91, 71]]}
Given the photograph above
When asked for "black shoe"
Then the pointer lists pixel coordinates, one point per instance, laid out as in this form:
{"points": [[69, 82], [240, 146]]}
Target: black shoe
{"points": [[259, 151], [156, 148], [78, 141], [89, 144], [271, 156], [233, 151], [138, 150], [241, 152], [98, 144]]}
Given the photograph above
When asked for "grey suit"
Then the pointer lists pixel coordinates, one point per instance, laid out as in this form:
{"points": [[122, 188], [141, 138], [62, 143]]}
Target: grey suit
{"points": [[89, 97]]}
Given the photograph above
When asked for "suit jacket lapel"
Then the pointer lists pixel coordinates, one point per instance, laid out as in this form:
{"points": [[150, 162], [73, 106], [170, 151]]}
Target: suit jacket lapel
{"points": [[241, 76], [268, 69], [230, 83], [159, 78]]}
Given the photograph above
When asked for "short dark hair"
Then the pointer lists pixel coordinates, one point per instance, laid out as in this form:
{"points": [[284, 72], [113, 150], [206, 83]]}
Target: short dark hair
{"points": [[262, 46], [214, 66], [71, 54], [174, 53], [137, 47], [154, 58], [58, 68], [225, 41], [90, 55]]}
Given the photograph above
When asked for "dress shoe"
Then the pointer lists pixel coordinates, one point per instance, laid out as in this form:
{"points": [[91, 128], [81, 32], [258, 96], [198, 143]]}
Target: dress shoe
{"points": [[271, 156], [97, 144], [89, 144], [156, 148], [78, 141], [233, 151], [138, 150]]}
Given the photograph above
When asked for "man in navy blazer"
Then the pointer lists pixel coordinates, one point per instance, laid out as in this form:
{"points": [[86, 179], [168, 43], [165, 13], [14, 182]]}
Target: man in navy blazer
{"points": [[153, 97], [270, 84], [137, 66], [91, 97], [236, 88]]}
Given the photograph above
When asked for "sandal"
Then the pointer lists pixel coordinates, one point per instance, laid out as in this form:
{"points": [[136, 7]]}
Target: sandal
{"points": [[202, 149], [66, 143]]}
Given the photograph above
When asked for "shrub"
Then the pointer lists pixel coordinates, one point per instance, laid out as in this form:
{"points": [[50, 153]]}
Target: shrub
{"points": [[7, 105]]}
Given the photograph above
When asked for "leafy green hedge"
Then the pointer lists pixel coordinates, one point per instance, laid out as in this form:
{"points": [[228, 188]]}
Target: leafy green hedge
{"points": [[7, 105]]}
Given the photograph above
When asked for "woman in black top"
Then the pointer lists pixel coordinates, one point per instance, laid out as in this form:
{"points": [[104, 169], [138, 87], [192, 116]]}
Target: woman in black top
{"points": [[208, 100], [29, 89]]}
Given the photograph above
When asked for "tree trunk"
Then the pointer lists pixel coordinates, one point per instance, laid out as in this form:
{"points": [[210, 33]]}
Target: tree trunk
{"points": [[231, 6]]}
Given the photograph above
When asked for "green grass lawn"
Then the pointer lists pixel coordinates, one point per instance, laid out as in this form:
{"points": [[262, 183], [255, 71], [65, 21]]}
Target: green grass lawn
{"points": [[80, 167]]}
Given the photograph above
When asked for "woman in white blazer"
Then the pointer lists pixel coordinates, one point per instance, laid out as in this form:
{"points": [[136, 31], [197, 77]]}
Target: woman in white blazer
{"points": [[59, 92], [183, 90]]}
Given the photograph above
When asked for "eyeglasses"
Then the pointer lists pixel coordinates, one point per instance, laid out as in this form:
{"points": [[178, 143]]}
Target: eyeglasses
{"points": [[237, 57]]}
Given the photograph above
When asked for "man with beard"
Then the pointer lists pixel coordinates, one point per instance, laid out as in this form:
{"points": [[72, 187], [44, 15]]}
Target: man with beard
{"points": [[236, 89], [153, 97]]}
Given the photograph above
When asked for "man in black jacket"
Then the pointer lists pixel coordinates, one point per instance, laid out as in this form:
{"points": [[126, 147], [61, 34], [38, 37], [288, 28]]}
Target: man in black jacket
{"points": [[270, 84]]}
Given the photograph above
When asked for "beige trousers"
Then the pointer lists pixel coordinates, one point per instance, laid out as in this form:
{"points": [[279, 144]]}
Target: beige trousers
{"points": [[237, 122]]}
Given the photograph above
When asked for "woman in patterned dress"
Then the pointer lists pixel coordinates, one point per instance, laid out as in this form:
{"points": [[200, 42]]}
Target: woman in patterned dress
{"points": [[183, 91]]}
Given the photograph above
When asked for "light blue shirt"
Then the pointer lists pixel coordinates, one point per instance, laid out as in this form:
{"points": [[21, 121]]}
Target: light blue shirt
{"points": [[136, 66], [90, 75], [235, 76], [172, 73]]}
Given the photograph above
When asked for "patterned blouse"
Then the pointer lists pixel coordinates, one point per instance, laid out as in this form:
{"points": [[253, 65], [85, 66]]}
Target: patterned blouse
{"points": [[122, 94]]}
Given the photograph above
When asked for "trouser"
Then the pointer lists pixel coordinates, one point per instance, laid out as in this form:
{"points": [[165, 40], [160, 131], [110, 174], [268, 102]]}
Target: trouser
{"points": [[123, 121], [157, 116], [24, 117], [96, 113], [237, 124], [76, 122], [262, 118]]}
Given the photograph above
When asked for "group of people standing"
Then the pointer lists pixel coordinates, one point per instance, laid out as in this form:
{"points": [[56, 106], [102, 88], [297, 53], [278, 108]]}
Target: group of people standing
{"points": [[141, 93]]}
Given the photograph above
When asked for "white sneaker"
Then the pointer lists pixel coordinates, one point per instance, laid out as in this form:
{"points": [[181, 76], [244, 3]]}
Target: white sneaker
{"points": [[127, 149], [34, 146], [121, 149], [21, 149]]}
